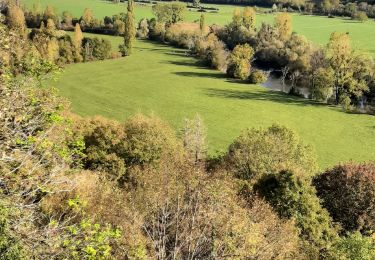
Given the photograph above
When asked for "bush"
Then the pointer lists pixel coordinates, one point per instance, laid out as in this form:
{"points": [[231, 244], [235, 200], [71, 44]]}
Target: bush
{"points": [[258, 152], [239, 65], [148, 139], [183, 34], [360, 16], [258, 77], [355, 247], [143, 30], [212, 51], [348, 193], [96, 49], [104, 146], [9, 245], [323, 83], [293, 197]]}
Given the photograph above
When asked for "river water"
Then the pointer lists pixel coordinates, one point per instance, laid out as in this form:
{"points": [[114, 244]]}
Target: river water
{"points": [[274, 83]]}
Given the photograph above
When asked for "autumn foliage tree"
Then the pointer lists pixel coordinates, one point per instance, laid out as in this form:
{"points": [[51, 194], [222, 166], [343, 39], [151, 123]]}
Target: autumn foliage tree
{"points": [[87, 18], [130, 30], [257, 152], [283, 23], [249, 17], [77, 37], [350, 69], [348, 193], [240, 61], [16, 17]]}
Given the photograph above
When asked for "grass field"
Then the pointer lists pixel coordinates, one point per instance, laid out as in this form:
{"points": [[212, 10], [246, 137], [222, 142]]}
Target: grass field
{"points": [[317, 29], [160, 79]]}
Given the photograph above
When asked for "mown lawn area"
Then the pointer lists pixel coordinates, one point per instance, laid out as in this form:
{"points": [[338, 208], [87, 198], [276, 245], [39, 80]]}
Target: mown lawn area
{"points": [[162, 80], [315, 28]]}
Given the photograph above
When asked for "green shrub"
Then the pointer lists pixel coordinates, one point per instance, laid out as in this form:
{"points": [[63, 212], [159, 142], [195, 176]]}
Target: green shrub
{"points": [[89, 240], [239, 65], [257, 77], [258, 152], [104, 146], [96, 49], [148, 139], [9, 245], [360, 16], [293, 197], [355, 247]]}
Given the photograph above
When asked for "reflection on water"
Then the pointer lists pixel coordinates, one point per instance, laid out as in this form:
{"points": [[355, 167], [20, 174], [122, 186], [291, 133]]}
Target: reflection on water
{"points": [[274, 83]]}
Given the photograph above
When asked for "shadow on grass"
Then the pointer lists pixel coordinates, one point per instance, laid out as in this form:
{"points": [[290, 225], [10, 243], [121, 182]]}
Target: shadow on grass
{"points": [[201, 75], [190, 63], [185, 54], [268, 95], [352, 21], [151, 49]]}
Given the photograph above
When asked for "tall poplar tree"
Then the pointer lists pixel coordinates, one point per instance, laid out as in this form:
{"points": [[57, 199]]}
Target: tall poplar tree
{"points": [[129, 35], [77, 37], [202, 24]]}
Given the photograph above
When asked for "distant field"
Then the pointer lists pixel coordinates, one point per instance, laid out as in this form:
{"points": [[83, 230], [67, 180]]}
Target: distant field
{"points": [[162, 80], [314, 28]]}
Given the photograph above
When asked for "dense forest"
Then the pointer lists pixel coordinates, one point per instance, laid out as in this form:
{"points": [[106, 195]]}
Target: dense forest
{"points": [[95, 188]]}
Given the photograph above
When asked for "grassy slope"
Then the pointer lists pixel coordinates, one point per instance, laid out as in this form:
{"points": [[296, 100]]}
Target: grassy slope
{"points": [[314, 28], [162, 80]]}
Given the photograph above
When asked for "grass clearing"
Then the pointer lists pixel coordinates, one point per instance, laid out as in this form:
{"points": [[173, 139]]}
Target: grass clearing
{"points": [[162, 80]]}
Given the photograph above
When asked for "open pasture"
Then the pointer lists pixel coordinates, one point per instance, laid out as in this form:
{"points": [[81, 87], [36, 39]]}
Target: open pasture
{"points": [[162, 80]]}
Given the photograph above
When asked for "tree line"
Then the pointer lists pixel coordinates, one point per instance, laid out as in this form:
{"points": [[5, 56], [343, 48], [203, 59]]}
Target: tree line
{"points": [[47, 42], [356, 10]]}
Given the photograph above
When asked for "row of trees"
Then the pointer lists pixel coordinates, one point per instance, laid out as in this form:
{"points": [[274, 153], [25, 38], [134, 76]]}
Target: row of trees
{"points": [[121, 24], [356, 10], [114, 25], [55, 46]]}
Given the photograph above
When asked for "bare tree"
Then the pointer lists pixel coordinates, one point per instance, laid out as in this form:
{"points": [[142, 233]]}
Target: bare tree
{"points": [[285, 71], [194, 139]]}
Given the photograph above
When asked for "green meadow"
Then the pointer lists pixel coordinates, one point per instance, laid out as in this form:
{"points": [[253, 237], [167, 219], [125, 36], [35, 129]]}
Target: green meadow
{"points": [[162, 80], [315, 28]]}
